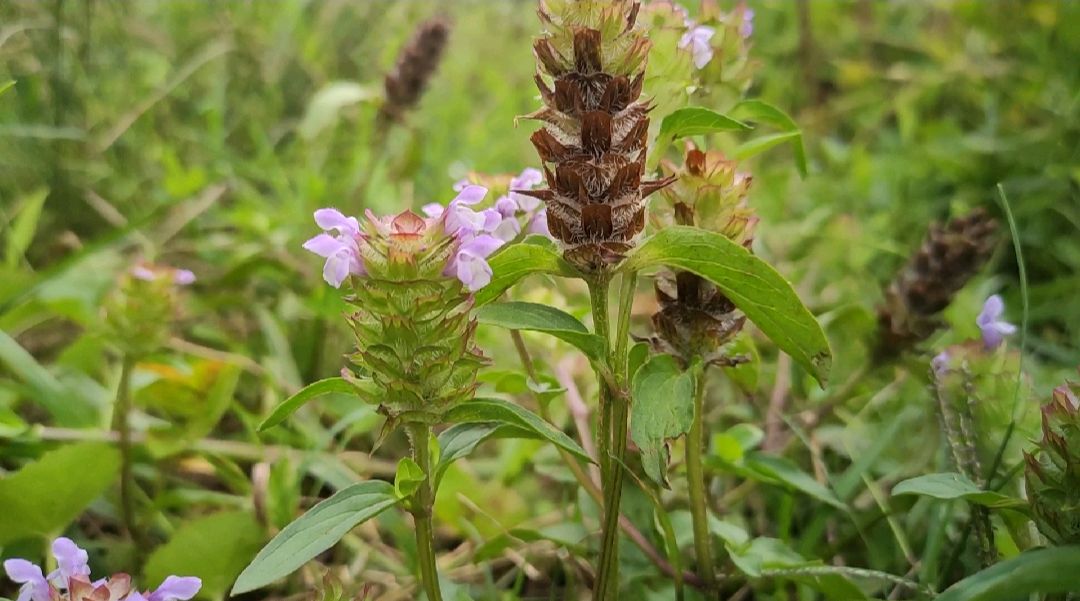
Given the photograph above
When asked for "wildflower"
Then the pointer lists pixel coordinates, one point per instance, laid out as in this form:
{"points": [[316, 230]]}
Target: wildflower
{"points": [[1052, 482], [940, 363], [71, 580], [415, 67], [994, 329], [746, 26], [151, 273], [697, 40], [338, 244]]}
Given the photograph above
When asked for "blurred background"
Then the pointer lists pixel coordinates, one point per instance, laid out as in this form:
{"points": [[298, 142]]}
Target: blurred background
{"points": [[204, 134]]}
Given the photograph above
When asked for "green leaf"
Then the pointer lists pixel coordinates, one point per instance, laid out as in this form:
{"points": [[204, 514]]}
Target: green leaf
{"points": [[695, 121], [503, 412], [409, 477], [24, 225], [326, 105], [782, 471], [951, 485], [311, 391], [1045, 571], [6, 86], [513, 262], [542, 318], [663, 409], [68, 406], [198, 548], [752, 284], [45, 496], [460, 440], [316, 531], [761, 111], [733, 444]]}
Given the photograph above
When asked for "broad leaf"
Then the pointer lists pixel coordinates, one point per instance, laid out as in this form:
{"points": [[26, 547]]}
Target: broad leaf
{"points": [[542, 318], [1045, 571], [315, 531], [695, 121], [752, 284], [460, 440], [503, 412], [512, 263], [761, 111], [311, 391], [198, 548], [45, 496], [951, 485], [663, 410]]}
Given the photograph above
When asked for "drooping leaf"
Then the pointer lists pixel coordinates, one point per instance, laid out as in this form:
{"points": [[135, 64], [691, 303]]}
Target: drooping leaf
{"points": [[951, 485], [782, 471], [753, 285], [542, 318], [460, 440], [512, 263], [315, 531], [695, 121], [502, 412], [408, 478], [45, 496], [198, 548], [67, 405], [763, 112], [307, 393], [663, 410], [1045, 571]]}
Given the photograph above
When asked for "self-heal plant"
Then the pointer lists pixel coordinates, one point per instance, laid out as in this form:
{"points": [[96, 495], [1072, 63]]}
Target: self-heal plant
{"points": [[70, 581]]}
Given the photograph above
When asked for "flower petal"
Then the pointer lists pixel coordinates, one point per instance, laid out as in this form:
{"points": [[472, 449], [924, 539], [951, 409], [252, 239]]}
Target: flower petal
{"points": [[144, 273], [176, 588], [991, 310], [433, 210], [507, 230], [473, 271], [538, 224], [480, 246], [71, 560], [183, 277], [506, 206], [527, 179], [324, 245], [333, 219], [470, 195], [21, 571], [336, 269]]}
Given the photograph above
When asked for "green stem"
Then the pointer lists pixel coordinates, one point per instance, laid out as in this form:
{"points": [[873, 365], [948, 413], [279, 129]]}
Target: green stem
{"points": [[423, 501], [695, 476], [122, 427]]}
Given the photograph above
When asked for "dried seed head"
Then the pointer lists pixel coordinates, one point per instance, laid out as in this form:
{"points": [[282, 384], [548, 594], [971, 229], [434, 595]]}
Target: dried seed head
{"points": [[415, 66], [591, 68], [951, 255]]}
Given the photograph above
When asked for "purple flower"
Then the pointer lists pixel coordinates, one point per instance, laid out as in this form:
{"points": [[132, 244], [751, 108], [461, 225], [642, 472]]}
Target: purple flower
{"points": [[469, 264], [697, 40], [71, 561], [150, 273], [940, 363], [183, 277], [528, 179], [994, 329], [34, 586], [459, 215], [746, 28], [338, 245], [175, 588], [538, 224]]}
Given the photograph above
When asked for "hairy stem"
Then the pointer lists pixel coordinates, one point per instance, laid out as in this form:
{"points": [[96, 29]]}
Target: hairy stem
{"points": [[695, 477], [423, 500], [122, 427]]}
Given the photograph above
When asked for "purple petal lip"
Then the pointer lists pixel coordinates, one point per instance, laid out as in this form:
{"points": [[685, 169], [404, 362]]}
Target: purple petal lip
{"points": [[176, 588], [333, 219]]}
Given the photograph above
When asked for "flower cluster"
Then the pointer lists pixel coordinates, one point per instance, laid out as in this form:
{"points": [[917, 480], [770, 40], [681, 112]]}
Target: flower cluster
{"points": [[457, 237], [139, 313], [71, 580], [698, 39], [1051, 473], [513, 211]]}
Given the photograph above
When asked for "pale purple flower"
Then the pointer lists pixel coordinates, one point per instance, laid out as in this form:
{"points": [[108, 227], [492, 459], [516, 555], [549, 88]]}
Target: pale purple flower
{"points": [[142, 272], [183, 277], [469, 265], [539, 224], [175, 588], [528, 179], [940, 363], [338, 245], [507, 229], [461, 184], [506, 206], [150, 273], [34, 586], [994, 329], [746, 28], [70, 560], [433, 210], [697, 41], [459, 215]]}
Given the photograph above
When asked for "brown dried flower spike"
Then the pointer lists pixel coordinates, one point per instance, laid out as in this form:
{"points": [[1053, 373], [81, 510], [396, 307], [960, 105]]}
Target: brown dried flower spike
{"points": [[595, 130], [415, 66]]}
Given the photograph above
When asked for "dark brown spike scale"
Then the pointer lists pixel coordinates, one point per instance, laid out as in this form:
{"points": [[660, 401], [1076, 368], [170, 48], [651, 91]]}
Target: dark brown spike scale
{"points": [[414, 69], [950, 256], [595, 130]]}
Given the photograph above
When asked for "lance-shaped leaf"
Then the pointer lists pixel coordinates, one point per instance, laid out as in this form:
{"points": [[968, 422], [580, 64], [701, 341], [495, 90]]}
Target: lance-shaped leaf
{"points": [[763, 112], [1045, 571], [316, 531], [307, 393], [663, 409], [753, 285], [542, 318], [460, 440], [502, 412], [951, 485], [513, 262]]}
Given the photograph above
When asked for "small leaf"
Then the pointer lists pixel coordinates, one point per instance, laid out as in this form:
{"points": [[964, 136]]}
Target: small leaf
{"points": [[951, 485], [311, 391], [733, 444], [197, 548], [315, 531], [753, 285], [68, 405], [409, 477], [759, 110], [515, 261], [6, 86], [542, 318], [639, 354], [663, 409], [1045, 571], [503, 412], [24, 225], [783, 471], [695, 121], [46, 495], [326, 105]]}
